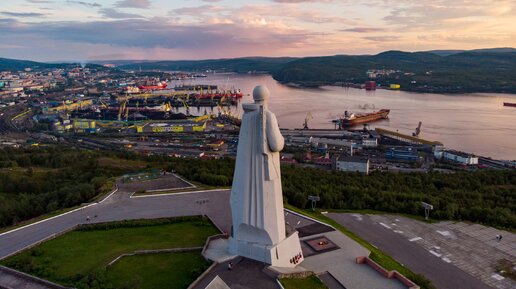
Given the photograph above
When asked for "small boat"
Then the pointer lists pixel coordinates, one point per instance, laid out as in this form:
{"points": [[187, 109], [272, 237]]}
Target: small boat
{"points": [[513, 104]]}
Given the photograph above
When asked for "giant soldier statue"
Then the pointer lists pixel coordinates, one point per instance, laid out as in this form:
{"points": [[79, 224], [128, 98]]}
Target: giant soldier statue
{"points": [[258, 230]]}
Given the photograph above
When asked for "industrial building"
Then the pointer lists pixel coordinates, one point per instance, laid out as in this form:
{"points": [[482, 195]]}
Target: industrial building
{"points": [[352, 164], [402, 154], [460, 157], [167, 127]]}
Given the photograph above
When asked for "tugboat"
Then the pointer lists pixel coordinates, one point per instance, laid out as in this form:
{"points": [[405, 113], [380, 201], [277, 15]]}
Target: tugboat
{"points": [[351, 119]]}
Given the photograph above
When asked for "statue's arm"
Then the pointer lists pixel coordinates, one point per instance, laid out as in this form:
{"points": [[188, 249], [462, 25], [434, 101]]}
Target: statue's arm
{"points": [[274, 137]]}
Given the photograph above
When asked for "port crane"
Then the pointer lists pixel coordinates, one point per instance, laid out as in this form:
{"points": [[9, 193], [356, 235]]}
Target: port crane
{"points": [[307, 118], [121, 109], [418, 130]]}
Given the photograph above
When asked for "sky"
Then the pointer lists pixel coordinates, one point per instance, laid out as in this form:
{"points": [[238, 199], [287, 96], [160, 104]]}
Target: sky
{"points": [[54, 30]]}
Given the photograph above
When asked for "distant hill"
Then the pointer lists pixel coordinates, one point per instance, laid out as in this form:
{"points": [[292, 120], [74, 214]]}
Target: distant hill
{"points": [[17, 65], [420, 71], [480, 70], [240, 65], [14, 64], [489, 50]]}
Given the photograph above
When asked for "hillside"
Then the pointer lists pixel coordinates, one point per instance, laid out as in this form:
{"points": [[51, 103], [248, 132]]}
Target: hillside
{"points": [[14, 64], [239, 65], [487, 50], [17, 65], [419, 71], [441, 71]]}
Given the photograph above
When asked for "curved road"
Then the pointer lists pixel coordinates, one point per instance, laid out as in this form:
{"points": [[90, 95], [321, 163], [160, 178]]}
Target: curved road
{"points": [[215, 204], [120, 206]]}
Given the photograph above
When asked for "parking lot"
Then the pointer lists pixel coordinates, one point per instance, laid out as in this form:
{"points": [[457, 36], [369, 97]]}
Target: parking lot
{"points": [[472, 248]]}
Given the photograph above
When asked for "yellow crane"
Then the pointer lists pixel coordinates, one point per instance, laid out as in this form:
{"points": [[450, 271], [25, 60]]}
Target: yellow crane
{"points": [[126, 113], [121, 109], [307, 118], [186, 106], [418, 130]]}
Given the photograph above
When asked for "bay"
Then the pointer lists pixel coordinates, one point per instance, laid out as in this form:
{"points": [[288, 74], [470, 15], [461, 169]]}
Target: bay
{"points": [[475, 122]]}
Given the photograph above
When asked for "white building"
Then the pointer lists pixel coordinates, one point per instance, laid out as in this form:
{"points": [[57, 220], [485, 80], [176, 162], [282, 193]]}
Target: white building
{"points": [[460, 157], [352, 164], [370, 142]]}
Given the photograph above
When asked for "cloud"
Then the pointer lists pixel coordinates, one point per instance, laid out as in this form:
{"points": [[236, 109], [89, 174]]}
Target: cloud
{"points": [[157, 33], [39, 1], [216, 28], [461, 38], [115, 14], [383, 38], [363, 29], [300, 1], [141, 4], [23, 14], [87, 4], [289, 13], [196, 11], [439, 14]]}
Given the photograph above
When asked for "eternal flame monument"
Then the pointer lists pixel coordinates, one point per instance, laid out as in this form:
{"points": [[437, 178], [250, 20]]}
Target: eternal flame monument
{"points": [[258, 230]]}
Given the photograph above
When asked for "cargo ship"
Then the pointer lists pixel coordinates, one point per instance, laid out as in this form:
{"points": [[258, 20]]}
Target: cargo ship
{"points": [[351, 119], [513, 104], [158, 86]]}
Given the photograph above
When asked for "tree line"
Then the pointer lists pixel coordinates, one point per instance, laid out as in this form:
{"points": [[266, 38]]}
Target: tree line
{"points": [[487, 197], [34, 181]]}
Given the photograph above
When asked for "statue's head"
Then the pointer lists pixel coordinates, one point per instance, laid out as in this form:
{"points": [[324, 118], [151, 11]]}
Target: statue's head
{"points": [[260, 94]]}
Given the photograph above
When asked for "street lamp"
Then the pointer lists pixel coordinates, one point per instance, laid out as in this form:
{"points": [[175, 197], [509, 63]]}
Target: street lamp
{"points": [[314, 200], [202, 203], [427, 208]]}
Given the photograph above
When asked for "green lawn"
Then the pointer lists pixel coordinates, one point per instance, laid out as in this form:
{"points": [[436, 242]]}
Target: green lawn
{"points": [[310, 282], [69, 258], [169, 270]]}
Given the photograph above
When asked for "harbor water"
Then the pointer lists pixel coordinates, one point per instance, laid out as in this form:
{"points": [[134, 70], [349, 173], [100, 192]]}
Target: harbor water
{"points": [[473, 122]]}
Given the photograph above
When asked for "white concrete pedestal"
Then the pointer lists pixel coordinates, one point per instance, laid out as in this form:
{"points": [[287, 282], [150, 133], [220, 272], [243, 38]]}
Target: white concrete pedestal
{"points": [[286, 253]]}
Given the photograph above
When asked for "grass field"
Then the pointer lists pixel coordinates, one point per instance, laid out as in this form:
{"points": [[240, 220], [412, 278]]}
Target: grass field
{"points": [[77, 254], [169, 270], [310, 282]]}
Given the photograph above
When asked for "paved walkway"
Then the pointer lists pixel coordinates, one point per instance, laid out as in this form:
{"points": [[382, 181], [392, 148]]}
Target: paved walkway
{"points": [[452, 255], [415, 255], [120, 206], [17, 280], [246, 274], [342, 265]]}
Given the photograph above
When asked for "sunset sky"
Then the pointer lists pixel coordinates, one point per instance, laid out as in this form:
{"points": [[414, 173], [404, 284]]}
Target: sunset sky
{"points": [[52, 30]]}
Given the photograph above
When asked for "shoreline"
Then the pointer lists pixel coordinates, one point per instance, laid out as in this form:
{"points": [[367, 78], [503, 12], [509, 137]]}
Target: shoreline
{"points": [[315, 85]]}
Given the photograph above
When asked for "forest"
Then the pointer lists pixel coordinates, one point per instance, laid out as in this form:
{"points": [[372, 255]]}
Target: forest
{"points": [[418, 71], [487, 197], [36, 181]]}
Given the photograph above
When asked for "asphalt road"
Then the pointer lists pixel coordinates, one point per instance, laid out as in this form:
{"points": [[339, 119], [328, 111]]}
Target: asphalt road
{"points": [[215, 204], [120, 206], [443, 275]]}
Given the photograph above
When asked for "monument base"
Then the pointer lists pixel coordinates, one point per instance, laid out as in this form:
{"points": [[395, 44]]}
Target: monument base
{"points": [[286, 253]]}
